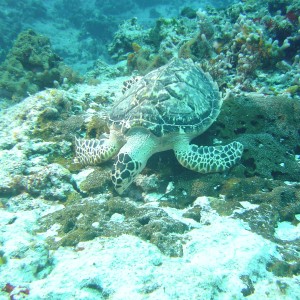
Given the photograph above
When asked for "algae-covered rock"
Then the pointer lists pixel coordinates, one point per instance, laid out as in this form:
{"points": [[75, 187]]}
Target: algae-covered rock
{"points": [[53, 182], [12, 167], [93, 180], [129, 32], [268, 126], [30, 66], [113, 217]]}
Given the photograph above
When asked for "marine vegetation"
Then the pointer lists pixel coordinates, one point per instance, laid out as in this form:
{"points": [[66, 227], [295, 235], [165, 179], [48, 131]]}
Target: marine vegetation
{"points": [[219, 87], [240, 46], [31, 66]]}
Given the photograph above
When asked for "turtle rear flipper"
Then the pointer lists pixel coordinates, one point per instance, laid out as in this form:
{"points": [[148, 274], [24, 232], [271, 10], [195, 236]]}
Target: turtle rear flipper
{"points": [[208, 159]]}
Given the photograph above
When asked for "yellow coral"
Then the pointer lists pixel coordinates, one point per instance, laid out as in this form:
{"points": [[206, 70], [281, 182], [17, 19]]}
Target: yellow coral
{"points": [[136, 47]]}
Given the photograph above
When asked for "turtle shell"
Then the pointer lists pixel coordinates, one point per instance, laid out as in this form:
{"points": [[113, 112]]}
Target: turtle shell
{"points": [[177, 97]]}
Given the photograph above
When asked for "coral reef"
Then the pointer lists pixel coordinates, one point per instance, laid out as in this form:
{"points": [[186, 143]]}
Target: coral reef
{"points": [[150, 224], [31, 66], [236, 45], [93, 180], [13, 16], [129, 32], [267, 126], [61, 222]]}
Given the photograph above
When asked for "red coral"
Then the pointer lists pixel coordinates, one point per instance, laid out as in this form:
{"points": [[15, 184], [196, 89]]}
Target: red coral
{"points": [[293, 15], [9, 288]]}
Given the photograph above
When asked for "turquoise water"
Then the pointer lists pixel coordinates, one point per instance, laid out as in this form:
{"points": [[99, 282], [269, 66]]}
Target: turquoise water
{"points": [[83, 85]]}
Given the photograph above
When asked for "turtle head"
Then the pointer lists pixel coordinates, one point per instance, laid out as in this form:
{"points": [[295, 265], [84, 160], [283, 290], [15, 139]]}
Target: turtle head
{"points": [[132, 158], [124, 171]]}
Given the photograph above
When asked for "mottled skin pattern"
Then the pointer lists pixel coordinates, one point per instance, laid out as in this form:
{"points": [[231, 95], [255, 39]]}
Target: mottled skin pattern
{"points": [[163, 110], [90, 152], [208, 159]]}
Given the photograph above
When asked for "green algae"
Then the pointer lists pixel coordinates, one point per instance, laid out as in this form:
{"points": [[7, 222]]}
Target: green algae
{"points": [[2, 260], [31, 66]]}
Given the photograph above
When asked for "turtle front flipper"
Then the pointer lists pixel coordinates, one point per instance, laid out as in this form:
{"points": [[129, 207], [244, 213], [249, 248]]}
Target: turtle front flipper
{"points": [[208, 159], [94, 151], [132, 159]]}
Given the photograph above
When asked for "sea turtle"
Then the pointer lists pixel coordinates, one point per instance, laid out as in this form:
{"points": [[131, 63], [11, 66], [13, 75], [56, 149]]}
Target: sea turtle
{"points": [[163, 110]]}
